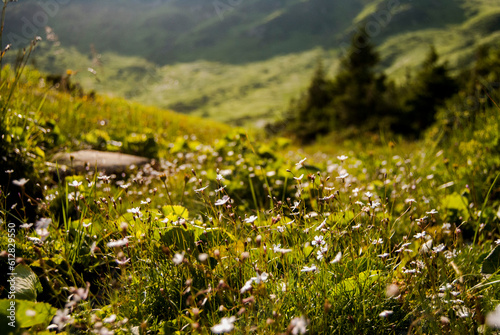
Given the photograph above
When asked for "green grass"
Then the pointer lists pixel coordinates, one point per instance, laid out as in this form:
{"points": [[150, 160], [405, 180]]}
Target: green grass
{"points": [[227, 207]]}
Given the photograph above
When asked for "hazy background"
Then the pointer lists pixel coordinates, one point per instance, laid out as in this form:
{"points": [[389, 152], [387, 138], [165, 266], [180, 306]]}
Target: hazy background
{"points": [[238, 61]]}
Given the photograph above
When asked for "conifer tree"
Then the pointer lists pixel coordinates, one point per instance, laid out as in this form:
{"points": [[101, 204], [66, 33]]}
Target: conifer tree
{"points": [[432, 85], [310, 115], [358, 89]]}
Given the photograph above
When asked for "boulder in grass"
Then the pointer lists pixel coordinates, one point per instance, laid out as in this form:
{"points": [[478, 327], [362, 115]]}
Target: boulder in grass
{"points": [[91, 160]]}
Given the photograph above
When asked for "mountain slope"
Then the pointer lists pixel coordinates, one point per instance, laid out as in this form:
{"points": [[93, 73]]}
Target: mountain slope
{"points": [[242, 63]]}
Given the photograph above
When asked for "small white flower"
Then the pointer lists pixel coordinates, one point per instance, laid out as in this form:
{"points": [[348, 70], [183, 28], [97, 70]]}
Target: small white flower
{"points": [[145, 202], [410, 200], [343, 176], [433, 211], [318, 240], [178, 258], [119, 243], [300, 163], [251, 219], [222, 201], [75, 183], [426, 247], [43, 233], [309, 269], [463, 312], [299, 178], [369, 194], [110, 319], [201, 189], [21, 182], [247, 286], [342, 158], [420, 235], [385, 314], [379, 241], [220, 189], [439, 248], [337, 258], [225, 326], [281, 229], [219, 177], [43, 223], [299, 325], [122, 262], [321, 225], [135, 210], [493, 318], [384, 255]]}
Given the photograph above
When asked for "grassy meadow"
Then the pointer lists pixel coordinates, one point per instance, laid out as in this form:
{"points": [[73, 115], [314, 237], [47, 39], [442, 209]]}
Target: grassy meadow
{"points": [[231, 233], [231, 230]]}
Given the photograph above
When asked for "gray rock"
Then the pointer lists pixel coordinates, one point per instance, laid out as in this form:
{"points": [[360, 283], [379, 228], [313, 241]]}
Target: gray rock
{"points": [[90, 160]]}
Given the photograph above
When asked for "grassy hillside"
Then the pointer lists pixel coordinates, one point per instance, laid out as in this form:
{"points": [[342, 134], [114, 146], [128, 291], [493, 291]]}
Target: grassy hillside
{"points": [[230, 234]]}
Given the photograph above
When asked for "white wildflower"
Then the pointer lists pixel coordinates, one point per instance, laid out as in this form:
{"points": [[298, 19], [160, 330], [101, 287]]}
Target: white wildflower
{"points": [[309, 268], [118, 243], [299, 325], [337, 258], [178, 258], [21, 182], [222, 201], [318, 240], [75, 183], [225, 326]]}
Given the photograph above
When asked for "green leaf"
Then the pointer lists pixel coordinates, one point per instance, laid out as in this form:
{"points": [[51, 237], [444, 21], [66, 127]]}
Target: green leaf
{"points": [[173, 213], [456, 205], [39, 152], [355, 283], [215, 236], [27, 314], [27, 283], [180, 238], [491, 263]]}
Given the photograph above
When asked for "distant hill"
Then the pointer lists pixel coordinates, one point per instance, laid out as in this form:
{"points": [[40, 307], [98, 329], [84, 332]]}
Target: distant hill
{"points": [[238, 61]]}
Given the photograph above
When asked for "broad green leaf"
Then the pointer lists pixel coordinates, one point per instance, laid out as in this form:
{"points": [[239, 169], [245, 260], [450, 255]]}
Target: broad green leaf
{"points": [[34, 313], [27, 314], [455, 205], [173, 213], [491, 263], [215, 236], [180, 238], [355, 283], [27, 283], [39, 152]]}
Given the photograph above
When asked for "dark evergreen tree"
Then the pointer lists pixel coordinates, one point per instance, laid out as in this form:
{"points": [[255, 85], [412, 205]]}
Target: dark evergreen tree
{"points": [[358, 88], [310, 115], [430, 88]]}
